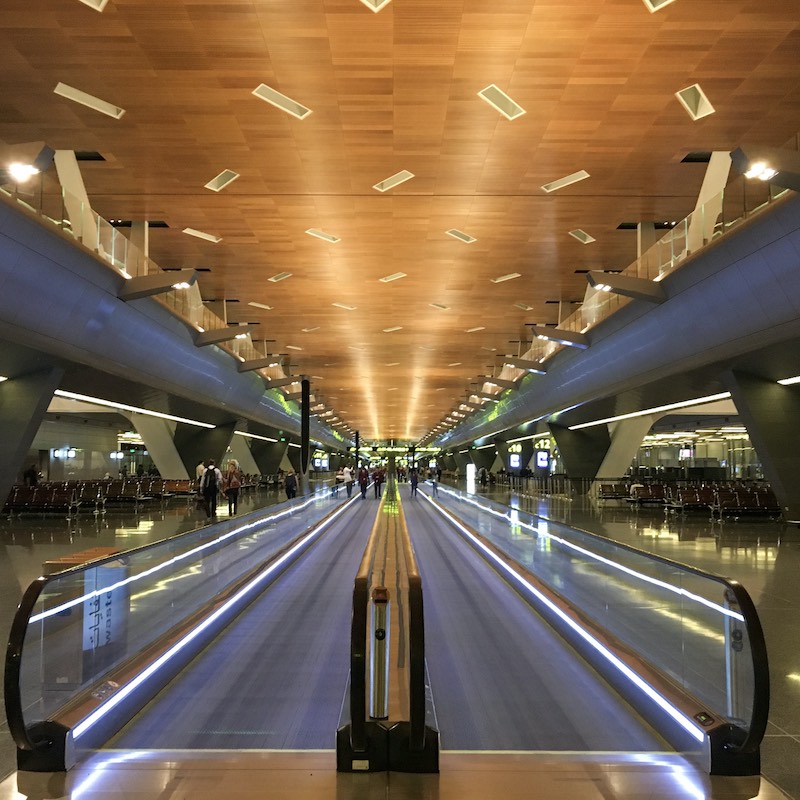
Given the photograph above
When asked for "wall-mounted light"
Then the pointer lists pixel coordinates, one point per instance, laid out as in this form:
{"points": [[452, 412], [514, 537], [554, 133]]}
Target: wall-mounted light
{"points": [[524, 363], [567, 338], [636, 288], [218, 335], [781, 167]]}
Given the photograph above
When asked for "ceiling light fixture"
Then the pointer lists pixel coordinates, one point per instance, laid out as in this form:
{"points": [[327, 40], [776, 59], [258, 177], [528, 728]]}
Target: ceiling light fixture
{"points": [[376, 5], [694, 100], [328, 237], [439, 306], [209, 237], [261, 305], [395, 276], [281, 276], [461, 236], [225, 178], [627, 285], [474, 330], [344, 306], [394, 180], [281, 101], [22, 172], [503, 278], [582, 236], [393, 329], [88, 100], [501, 102], [553, 186]]}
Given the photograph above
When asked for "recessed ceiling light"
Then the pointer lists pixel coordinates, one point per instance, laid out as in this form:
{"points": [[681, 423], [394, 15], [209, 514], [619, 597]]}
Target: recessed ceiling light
{"points": [[281, 276], [97, 5], [353, 347], [473, 330], [261, 305], [375, 5], [281, 101], [455, 364], [523, 306], [440, 306], [509, 277], [655, 5], [88, 100], [393, 364], [694, 100], [395, 180], [501, 102], [293, 347], [344, 306], [391, 330], [395, 276], [209, 237], [566, 181], [328, 237], [311, 330], [582, 236], [393, 389], [461, 236], [225, 178]]}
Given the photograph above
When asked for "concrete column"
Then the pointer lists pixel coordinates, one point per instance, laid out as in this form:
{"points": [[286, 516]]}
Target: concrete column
{"points": [[140, 239], [645, 237], [76, 201], [305, 444], [267, 455], [199, 444], [771, 414], [294, 456], [23, 403], [158, 437], [484, 457], [626, 437], [701, 225], [241, 452], [582, 452]]}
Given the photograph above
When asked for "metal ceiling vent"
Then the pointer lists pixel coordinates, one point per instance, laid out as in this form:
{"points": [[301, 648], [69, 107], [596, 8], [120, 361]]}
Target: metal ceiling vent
{"points": [[281, 101], [553, 186], [655, 5], [461, 236], [225, 178], [501, 102], [88, 100], [582, 236], [376, 5], [694, 100], [395, 180]]}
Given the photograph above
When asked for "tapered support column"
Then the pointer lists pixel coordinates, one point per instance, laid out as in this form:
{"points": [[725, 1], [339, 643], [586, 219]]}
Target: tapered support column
{"points": [[462, 459], [582, 452], [305, 444], [157, 435], [771, 414], [626, 437], [23, 403], [241, 452], [267, 455], [199, 444], [484, 457]]}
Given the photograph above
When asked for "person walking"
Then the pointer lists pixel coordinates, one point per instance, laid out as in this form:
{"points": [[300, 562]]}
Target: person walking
{"points": [[231, 484], [434, 479], [210, 485], [413, 479], [363, 480], [377, 478], [290, 485], [347, 474]]}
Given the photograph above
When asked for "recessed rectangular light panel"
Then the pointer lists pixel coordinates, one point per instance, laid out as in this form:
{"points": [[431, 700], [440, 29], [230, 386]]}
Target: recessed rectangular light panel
{"points": [[88, 100], [225, 178], [501, 102], [656, 5], [392, 330], [376, 5], [281, 276], [440, 306], [395, 276], [395, 180], [346, 308], [281, 101], [504, 278], [582, 236], [473, 330], [553, 186], [461, 236], [209, 237], [328, 237], [97, 5], [523, 306], [261, 305], [694, 100]]}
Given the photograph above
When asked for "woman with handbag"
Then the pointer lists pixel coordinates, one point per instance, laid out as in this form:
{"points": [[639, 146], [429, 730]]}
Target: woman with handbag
{"points": [[231, 484]]}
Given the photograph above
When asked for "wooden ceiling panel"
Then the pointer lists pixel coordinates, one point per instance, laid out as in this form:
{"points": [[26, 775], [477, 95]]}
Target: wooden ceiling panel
{"points": [[391, 91]]}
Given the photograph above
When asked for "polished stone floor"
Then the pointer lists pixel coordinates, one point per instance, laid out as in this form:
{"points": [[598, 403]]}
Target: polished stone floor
{"points": [[763, 556]]}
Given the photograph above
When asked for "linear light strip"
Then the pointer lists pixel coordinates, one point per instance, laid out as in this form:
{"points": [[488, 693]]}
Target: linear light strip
{"points": [[613, 659], [680, 591], [255, 436], [126, 690], [123, 407], [684, 404], [88, 100]]}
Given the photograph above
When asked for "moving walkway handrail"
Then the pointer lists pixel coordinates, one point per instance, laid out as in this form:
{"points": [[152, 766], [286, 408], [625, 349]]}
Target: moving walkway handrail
{"points": [[732, 589]]}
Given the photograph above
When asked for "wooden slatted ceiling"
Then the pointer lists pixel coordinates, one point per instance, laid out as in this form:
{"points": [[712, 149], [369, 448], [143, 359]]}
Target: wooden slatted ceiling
{"points": [[391, 91]]}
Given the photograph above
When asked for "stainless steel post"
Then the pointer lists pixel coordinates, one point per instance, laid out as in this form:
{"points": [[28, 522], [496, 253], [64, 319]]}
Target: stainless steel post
{"points": [[379, 654]]}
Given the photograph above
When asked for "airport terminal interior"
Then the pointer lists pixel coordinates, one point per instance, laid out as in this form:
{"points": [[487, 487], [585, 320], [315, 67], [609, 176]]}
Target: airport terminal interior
{"points": [[489, 316]]}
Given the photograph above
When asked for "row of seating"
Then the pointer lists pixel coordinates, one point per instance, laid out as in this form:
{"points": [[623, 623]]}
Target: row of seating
{"points": [[724, 500]]}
